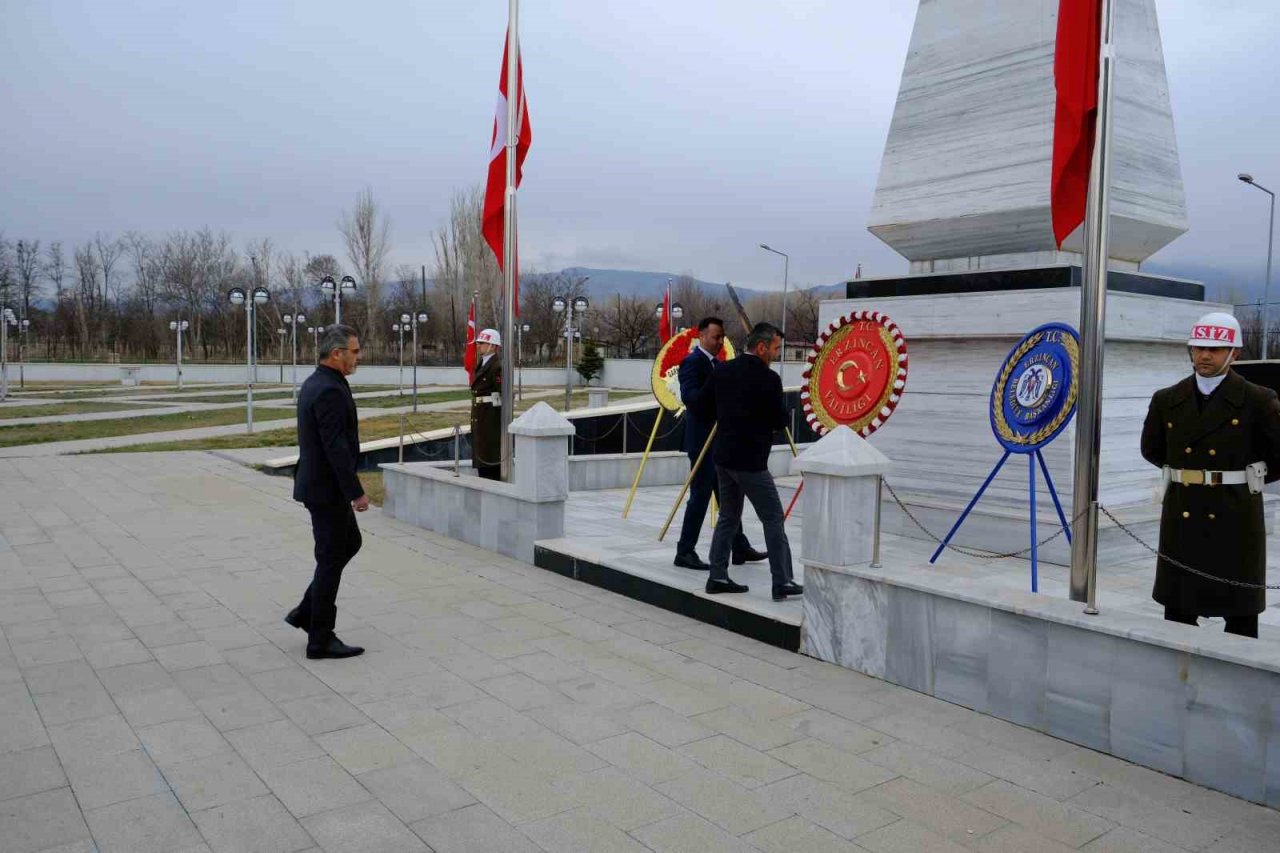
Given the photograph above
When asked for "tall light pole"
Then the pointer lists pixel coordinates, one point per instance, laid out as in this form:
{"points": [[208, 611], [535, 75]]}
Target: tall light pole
{"points": [[329, 288], [24, 325], [179, 326], [261, 296], [1266, 286], [401, 327], [282, 332], [418, 319], [524, 327], [786, 273], [316, 332], [6, 319], [293, 321], [566, 306]]}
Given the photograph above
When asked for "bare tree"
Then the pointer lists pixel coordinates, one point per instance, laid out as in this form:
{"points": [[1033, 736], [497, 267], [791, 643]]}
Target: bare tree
{"points": [[26, 263], [630, 325], [465, 265], [367, 236], [802, 315]]}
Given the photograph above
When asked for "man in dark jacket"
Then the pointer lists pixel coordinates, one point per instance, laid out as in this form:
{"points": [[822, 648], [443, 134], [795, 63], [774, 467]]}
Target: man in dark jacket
{"points": [[746, 397], [326, 481], [486, 407], [695, 377], [1217, 436]]}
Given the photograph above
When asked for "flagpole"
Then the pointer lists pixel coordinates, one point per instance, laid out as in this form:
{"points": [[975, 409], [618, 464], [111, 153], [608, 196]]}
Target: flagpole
{"points": [[514, 94], [1093, 302]]}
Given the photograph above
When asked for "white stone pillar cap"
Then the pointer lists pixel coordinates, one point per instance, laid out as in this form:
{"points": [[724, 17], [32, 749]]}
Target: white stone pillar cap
{"points": [[841, 453], [542, 420]]}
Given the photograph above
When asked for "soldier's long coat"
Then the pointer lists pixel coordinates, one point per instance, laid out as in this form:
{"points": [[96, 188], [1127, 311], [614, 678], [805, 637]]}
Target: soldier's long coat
{"points": [[1216, 529], [486, 419]]}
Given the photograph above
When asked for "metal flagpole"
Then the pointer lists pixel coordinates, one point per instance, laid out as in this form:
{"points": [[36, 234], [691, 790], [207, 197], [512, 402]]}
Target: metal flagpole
{"points": [[509, 236], [1093, 302]]}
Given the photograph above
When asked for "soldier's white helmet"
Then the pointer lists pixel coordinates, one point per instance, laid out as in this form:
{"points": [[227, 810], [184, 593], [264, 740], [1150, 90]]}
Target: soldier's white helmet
{"points": [[1217, 329], [491, 336]]}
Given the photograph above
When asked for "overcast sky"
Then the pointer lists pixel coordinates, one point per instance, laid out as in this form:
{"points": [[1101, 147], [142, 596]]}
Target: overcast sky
{"points": [[669, 135]]}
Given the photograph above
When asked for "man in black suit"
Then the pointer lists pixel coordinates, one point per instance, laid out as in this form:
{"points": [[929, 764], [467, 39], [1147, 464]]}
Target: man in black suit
{"points": [[695, 377], [326, 481], [746, 396]]}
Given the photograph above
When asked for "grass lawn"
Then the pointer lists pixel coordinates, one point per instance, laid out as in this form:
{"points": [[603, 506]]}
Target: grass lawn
{"points": [[424, 398], [7, 412], [11, 436], [371, 481], [370, 429]]}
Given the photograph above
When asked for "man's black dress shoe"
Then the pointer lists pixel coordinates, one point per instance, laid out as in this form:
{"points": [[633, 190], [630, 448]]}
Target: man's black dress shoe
{"points": [[751, 555], [334, 648], [691, 560], [297, 621], [715, 587], [780, 593]]}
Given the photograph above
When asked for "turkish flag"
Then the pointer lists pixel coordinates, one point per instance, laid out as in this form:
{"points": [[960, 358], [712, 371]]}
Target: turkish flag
{"points": [[469, 354], [664, 324], [495, 189], [1075, 77]]}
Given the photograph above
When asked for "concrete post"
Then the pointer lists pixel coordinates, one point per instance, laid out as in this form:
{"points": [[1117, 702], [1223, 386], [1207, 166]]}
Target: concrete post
{"points": [[541, 471], [597, 398], [841, 488]]}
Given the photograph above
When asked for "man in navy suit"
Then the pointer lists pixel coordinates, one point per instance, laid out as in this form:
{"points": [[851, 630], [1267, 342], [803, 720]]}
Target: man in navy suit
{"points": [[326, 481], [695, 377]]}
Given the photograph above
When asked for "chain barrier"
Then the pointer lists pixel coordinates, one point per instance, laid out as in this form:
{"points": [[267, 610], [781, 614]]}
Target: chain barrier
{"points": [[593, 440], [982, 554], [631, 424], [1181, 565]]}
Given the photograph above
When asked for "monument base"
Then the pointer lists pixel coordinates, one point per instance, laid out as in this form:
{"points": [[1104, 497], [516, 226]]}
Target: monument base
{"points": [[959, 327]]}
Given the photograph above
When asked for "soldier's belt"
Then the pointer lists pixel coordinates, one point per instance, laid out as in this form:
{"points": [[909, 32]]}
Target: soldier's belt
{"points": [[491, 399], [1190, 477]]}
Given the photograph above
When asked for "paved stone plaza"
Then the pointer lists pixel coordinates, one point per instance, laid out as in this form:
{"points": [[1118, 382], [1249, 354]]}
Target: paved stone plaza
{"points": [[151, 699]]}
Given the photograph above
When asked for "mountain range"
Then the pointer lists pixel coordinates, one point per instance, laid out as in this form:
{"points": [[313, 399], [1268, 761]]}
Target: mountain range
{"points": [[607, 282]]}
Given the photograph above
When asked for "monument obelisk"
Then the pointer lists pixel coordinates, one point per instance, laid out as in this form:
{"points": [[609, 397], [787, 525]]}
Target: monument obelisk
{"points": [[964, 195]]}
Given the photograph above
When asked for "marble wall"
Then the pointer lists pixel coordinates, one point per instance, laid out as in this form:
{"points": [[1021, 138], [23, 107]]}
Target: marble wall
{"points": [[1189, 702]]}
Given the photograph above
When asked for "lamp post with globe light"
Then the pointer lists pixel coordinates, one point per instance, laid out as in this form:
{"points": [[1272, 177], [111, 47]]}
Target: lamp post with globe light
{"points": [[316, 332], [293, 321], [567, 307], [329, 288], [520, 330], [179, 326], [260, 296], [417, 319], [7, 319], [400, 328]]}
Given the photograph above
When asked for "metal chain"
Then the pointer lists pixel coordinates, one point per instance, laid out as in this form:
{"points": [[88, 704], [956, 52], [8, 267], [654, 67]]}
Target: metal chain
{"points": [[976, 553], [1181, 565], [617, 423], [632, 425], [982, 554]]}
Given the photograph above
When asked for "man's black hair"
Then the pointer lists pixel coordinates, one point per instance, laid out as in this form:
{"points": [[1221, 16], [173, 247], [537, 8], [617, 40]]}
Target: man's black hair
{"points": [[709, 321], [761, 333]]}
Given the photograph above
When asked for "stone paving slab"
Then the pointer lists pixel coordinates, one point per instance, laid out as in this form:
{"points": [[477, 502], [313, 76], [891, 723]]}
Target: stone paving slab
{"points": [[499, 707]]}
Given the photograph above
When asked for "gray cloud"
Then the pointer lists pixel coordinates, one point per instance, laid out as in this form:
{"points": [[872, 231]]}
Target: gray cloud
{"points": [[667, 135]]}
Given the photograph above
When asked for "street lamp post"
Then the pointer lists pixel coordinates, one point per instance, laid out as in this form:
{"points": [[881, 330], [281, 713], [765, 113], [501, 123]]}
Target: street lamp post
{"points": [[559, 305], [1266, 286], [418, 319], [329, 288], [524, 327], [24, 325], [6, 319], [282, 332], [261, 296], [786, 273], [316, 332], [400, 327], [293, 321], [179, 326]]}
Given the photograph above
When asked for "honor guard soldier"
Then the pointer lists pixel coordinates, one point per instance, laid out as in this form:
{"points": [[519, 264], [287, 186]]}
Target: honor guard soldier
{"points": [[1217, 437], [486, 407]]}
